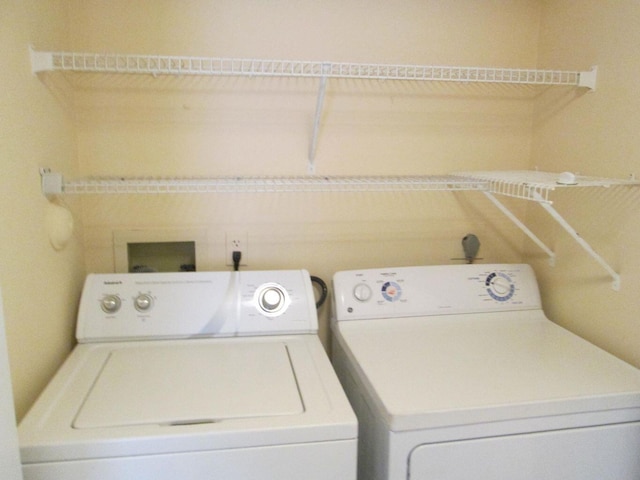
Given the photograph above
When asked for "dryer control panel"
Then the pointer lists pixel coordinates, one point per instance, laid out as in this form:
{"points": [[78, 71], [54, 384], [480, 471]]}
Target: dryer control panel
{"points": [[192, 304], [434, 290]]}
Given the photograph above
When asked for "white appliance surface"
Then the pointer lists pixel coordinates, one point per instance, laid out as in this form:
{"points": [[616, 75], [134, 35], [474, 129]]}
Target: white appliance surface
{"points": [[456, 373], [228, 377]]}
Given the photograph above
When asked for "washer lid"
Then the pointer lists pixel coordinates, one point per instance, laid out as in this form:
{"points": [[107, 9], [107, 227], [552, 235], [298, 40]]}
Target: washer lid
{"points": [[188, 384]]}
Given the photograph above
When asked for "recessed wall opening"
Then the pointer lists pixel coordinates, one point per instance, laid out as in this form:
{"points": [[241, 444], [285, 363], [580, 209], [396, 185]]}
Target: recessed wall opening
{"points": [[161, 257], [139, 251]]}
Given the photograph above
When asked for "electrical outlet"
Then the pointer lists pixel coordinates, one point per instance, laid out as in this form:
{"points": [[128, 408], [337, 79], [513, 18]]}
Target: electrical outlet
{"points": [[236, 242]]}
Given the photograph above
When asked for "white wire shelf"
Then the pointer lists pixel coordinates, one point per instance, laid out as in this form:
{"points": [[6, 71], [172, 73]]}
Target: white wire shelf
{"points": [[523, 184], [156, 65], [215, 66], [54, 184], [537, 186], [527, 185]]}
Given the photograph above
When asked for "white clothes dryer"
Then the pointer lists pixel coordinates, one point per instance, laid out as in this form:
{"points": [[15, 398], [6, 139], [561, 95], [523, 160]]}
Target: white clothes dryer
{"points": [[193, 376], [456, 373]]}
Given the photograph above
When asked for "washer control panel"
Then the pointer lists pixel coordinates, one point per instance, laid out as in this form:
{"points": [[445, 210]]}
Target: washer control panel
{"points": [[192, 304], [434, 290]]}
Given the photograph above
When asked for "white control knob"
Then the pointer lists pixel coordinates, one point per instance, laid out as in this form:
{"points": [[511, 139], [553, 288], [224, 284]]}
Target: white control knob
{"points": [[362, 292], [110, 303], [501, 285], [143, 302], [272, 299]]}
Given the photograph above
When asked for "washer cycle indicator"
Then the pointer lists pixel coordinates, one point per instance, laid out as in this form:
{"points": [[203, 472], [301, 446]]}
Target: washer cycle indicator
{"points": [[500, 286], [391, 291]]}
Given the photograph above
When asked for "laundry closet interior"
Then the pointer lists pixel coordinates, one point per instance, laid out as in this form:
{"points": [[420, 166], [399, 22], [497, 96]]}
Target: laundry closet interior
{"points": [[321, 135]]}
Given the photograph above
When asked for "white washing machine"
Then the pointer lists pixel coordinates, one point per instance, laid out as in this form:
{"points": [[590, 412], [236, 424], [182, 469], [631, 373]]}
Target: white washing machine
{"points": [[193, 376], [455, 373]]}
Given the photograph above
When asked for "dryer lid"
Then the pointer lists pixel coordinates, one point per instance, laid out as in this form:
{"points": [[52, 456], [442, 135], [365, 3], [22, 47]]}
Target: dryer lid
{"points": [[451, 370], [188, 384]]}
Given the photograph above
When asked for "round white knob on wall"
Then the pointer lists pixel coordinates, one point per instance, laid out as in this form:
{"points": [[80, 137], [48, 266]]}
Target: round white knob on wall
{"points": [[59, 225]]}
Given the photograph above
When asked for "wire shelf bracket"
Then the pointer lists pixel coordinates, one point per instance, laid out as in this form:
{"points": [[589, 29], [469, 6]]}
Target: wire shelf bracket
{"points": [[544, 203], [615, 285], [322, 89]]}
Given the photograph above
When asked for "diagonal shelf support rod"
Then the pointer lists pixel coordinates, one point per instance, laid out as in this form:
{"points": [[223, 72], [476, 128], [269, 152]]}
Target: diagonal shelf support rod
{"points": [[322, 89], [581, 241], [537, 197], [523, 227]]}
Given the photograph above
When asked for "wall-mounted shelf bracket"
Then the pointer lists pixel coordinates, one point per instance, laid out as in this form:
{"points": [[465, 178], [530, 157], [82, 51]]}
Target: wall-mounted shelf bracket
{"points": [[51, 183], [537, 186], [588, 79], [581, 241], [564, 224], [316, 119], [523, 227], [40, 61]]}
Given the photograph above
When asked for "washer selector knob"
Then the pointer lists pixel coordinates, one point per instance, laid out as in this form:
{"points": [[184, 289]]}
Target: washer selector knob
{"points": [[143, 302], [272, 299], [110, 303]]}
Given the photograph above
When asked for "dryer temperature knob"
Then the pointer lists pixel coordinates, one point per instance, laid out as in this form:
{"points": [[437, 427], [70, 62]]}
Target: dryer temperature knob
{"points": [[362, 292]]}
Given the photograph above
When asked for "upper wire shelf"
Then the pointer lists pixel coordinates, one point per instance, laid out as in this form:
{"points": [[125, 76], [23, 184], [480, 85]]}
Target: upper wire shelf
{"points": [[214, 66]]}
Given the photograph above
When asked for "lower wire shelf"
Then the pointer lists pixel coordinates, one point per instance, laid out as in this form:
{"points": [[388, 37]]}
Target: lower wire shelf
{"points": [[54, 184], [527, 185]]}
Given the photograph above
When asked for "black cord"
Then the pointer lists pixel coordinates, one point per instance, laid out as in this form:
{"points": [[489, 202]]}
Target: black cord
{"points": [[324, 290], [236, 256]]}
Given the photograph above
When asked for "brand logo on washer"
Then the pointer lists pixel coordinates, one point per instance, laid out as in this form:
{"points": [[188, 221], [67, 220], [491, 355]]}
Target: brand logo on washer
{"points": [[115, 282]]}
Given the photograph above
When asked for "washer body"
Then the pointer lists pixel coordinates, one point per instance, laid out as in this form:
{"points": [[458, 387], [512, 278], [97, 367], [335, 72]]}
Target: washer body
{"points": [[456, 373], [193, 376]]}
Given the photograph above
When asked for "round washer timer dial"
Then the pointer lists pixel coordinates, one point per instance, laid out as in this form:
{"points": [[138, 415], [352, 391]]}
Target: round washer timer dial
{"points": [[272, 299]]}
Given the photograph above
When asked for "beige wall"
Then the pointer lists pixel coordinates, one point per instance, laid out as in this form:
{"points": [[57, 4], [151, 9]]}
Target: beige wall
{"points": [[97, 125], [596, 134], [230, 126], [40, 285]]}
